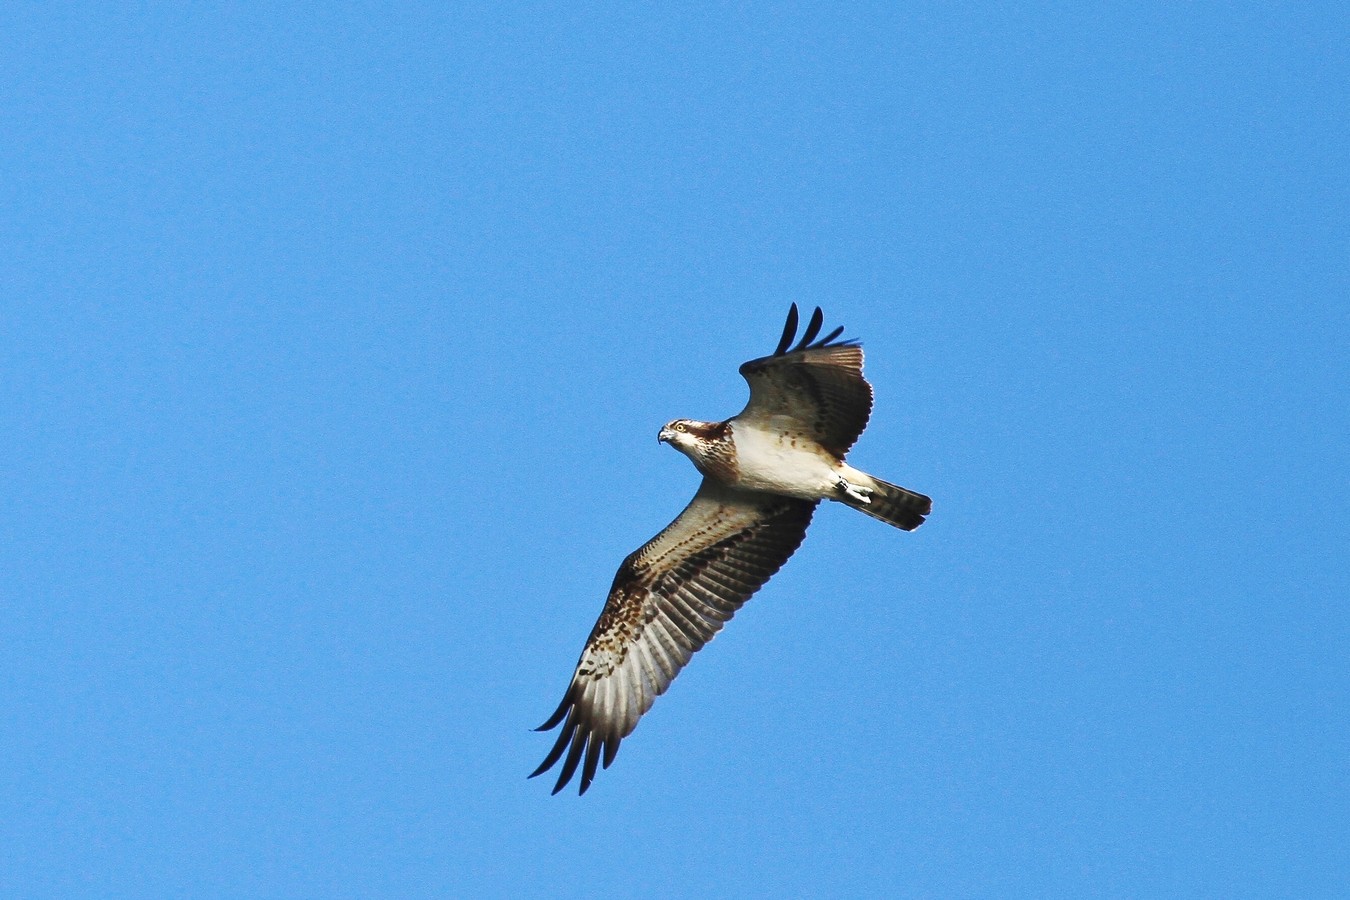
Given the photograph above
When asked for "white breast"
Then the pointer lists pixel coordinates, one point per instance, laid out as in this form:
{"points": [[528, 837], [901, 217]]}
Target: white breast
{"points": [[778, 461]]}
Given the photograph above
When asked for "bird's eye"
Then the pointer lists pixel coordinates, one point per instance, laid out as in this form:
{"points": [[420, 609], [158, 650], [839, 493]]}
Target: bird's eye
{"points": [[679, 426]]}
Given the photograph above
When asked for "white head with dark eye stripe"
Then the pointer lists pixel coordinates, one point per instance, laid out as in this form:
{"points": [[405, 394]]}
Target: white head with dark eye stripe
{"points": [[690, 436]]}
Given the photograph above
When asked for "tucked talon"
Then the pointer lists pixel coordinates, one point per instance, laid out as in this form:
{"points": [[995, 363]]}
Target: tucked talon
{"points": [[855, 491]]}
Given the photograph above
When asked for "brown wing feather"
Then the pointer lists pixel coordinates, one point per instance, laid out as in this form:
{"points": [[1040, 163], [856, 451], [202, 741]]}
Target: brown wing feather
{"points": [[668, 599], [821, 390]]}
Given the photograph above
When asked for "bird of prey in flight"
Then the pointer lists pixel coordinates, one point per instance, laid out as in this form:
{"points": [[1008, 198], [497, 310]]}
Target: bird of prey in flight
{"points": [[764, 472]]}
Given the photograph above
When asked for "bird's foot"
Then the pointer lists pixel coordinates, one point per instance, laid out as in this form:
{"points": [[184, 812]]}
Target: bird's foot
{"points": [[855, 491]]}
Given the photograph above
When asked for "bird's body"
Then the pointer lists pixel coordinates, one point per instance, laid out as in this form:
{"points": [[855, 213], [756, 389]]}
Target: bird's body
{"points": [[764, 472], [767, 457]]}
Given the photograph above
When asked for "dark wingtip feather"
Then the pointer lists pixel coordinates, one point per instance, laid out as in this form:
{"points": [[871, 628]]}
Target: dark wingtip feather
{"points": [[808, 340], [592, 760], [611, 750], [558, 713], [579, 745], [789, 331], [579, 742], [812, 329], [564, 738]]}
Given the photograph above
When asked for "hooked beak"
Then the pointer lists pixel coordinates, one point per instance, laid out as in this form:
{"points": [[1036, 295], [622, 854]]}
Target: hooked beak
{"points": [[665, 435]]}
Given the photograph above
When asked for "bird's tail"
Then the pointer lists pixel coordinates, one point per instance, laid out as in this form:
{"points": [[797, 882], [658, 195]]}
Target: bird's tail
{"points": [[893, 505]]}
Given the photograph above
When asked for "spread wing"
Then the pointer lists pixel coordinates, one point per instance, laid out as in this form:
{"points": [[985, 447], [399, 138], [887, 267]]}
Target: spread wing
{"points": [[815, 388], [668, 599]]}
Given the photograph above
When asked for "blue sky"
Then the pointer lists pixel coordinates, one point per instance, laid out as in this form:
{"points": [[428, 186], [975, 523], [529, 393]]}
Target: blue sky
{"points": [[335, 342]]}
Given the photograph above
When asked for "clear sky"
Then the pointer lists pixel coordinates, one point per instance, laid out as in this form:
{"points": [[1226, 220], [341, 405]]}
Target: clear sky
{"points": [[334, 341]]}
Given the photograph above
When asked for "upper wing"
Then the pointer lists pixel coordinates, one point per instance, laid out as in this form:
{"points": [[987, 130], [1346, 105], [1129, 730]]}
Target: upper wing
{"points": [[668, 599], [815, 388]]}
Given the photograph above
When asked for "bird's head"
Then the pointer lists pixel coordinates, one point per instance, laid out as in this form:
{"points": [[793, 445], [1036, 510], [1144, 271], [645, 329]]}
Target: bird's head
{"points": [[677, 434], [690, 436]]}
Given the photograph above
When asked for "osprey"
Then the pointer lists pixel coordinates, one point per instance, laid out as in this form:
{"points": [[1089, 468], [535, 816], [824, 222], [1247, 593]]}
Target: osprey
{"points": [[764, 472]]}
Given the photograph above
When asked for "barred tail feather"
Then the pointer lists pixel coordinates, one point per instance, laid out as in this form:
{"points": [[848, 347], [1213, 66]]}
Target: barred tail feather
{"points": [[894, 505]]}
